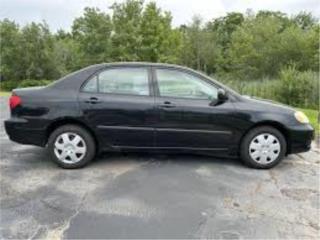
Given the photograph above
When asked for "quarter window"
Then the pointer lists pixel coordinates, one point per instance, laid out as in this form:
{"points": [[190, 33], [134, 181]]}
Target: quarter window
{"points": [[173, 83], [91, 86], [133, 81]]}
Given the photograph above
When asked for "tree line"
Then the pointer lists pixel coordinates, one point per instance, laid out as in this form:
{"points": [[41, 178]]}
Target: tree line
{"points": [[239, 46]]}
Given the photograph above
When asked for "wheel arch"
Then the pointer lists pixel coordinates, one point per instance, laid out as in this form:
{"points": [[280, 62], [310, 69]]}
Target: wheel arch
{"points": [[280, 127], [64, 121]]}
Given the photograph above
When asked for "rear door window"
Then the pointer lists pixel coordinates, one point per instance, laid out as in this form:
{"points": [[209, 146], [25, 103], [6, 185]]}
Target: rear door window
{"points": [[129, 81]]}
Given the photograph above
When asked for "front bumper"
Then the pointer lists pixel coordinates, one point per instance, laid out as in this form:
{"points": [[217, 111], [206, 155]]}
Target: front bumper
{"points": [[300, 138], [20, 131]]}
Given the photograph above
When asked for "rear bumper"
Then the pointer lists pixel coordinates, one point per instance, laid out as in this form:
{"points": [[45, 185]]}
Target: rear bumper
{"points": [[300, 138], [20, 131]]}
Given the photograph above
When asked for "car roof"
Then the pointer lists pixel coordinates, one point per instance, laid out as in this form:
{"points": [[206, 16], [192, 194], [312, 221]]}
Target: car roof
{"points": [[78, 77], [75, 79], [146, 64]]}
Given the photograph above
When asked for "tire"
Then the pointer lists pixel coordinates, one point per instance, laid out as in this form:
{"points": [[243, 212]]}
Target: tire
{"points": [[263, 147], [74, 144]]}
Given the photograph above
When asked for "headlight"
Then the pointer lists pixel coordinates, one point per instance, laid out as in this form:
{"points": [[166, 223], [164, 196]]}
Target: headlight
{"points": [[301, 117]]}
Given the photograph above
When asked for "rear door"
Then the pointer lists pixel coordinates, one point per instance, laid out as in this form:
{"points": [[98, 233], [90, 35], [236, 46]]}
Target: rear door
{"points": [[185, 116], [118, 103]]}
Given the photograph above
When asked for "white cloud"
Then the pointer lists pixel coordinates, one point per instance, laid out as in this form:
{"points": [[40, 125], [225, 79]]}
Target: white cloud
{"points": [[60, 13]]}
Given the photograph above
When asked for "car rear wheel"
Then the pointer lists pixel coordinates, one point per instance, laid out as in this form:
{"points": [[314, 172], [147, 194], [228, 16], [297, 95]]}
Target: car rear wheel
{"points": [[71, 146], [263, 147]]}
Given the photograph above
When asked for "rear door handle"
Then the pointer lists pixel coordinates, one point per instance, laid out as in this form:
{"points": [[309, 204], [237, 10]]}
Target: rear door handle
{"points": [[167, 104], [93, 100]]}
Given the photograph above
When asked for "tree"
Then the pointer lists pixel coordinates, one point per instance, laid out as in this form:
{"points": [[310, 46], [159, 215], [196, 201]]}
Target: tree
{"points": [[200, 47], [66, 55], [222, 28], [262, 45], [236, 46], [225, 26], [92, 35], [11, 51], [127, 39], [305, 20], [160, 43], [37, 43]]}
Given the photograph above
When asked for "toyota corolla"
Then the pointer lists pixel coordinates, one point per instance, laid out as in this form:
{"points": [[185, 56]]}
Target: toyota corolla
{"points": [[152, 107]]}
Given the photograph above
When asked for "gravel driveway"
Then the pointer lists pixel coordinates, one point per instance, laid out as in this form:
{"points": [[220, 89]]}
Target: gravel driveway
{"points": [[155, 196]]}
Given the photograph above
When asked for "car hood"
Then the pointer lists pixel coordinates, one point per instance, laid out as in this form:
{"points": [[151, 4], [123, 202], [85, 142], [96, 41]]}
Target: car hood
{"points": [[268, 105]]}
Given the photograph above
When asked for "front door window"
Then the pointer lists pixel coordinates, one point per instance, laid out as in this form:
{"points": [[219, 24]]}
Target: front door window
{"points": [[178, 84]]}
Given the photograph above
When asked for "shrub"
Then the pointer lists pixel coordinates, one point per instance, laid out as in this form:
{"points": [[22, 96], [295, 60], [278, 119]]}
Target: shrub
{"points": [[8, 85], [33, 83], [297, 88], [264, 88]]}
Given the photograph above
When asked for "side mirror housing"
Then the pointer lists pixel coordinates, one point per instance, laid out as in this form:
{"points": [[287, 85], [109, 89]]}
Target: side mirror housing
{"points": [[222, 96]]}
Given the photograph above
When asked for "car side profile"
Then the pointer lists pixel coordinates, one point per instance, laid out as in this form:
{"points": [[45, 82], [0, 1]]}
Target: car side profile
{"points": [[152, 107]]}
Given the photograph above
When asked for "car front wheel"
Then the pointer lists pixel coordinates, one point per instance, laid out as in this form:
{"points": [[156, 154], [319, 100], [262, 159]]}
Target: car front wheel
{"points": [[263, 147], [71, 146]]}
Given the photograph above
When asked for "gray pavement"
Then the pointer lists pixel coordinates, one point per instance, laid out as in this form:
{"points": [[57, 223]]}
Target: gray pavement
{"points": [[155, 196]]}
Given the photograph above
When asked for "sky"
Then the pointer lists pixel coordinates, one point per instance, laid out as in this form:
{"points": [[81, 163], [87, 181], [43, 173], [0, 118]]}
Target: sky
{"points": [[59, 14]]}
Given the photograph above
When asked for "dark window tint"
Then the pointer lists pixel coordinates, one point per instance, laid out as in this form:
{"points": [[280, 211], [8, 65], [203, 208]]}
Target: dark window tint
{"points": [[133, 81]]}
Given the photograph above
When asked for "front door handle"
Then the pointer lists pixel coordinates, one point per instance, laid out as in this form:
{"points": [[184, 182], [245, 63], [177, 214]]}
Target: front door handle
{"points": [[167, 104], [93, 100]]}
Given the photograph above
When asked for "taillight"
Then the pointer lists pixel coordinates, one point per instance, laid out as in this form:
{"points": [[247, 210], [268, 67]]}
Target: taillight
{"points": [[14, 101]]}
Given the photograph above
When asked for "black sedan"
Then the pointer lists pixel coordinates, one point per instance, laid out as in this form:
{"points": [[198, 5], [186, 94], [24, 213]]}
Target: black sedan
{"points": [[152, 107]]}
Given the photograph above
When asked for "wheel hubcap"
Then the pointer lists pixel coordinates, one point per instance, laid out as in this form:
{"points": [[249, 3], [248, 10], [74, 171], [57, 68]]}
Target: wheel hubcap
{"points": [[70, 148], [264, 148]]}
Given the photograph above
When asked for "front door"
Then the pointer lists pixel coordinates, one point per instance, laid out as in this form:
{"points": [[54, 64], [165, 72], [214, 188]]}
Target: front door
{"points": [[119, 105], [186, 118]]}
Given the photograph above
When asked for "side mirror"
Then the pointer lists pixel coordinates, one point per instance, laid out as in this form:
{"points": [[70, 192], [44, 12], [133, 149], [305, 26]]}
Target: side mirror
{"points": [[222, 96]]}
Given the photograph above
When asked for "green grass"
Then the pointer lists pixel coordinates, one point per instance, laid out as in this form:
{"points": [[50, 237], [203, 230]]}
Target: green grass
{"points": [[313, 118], [4, 94]]}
